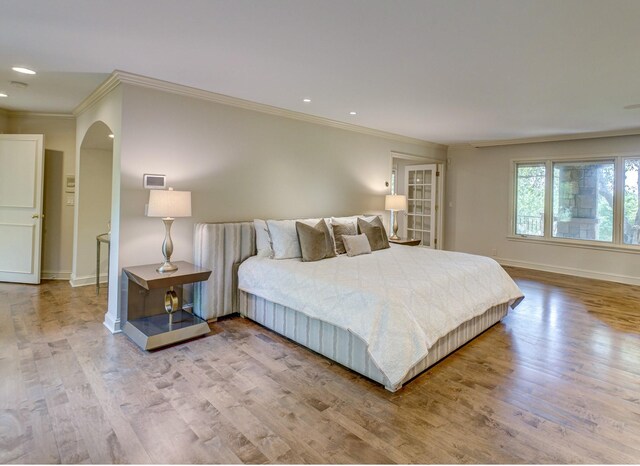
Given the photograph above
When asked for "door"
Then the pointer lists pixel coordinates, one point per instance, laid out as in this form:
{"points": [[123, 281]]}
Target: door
{"points": [[21, 180], [421, 185]]}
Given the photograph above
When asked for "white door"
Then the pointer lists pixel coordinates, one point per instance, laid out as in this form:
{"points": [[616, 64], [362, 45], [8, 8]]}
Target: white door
{"points": [[421, 185], [21, 180]]}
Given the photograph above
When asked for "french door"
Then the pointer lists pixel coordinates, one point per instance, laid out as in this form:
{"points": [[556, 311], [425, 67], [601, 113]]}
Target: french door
{"points": [[421, 188], [21, 182]]}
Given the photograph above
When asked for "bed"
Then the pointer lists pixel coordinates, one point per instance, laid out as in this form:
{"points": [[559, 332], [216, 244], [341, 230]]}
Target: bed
{"points": [[388, 315]]}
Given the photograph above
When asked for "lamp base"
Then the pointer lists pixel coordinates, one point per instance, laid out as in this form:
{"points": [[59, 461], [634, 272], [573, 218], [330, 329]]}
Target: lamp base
{"points": [[394, 236], [167, 266]]}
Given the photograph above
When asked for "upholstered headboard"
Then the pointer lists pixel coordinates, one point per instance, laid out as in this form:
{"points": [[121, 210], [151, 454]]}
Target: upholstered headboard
{"points": [[220, 247]]}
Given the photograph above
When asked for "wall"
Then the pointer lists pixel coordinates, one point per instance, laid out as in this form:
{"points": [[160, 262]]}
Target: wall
{"points": [[242, 164], [94, 212], [59, 144], [477, 214], [4, 121], [107, 109]]}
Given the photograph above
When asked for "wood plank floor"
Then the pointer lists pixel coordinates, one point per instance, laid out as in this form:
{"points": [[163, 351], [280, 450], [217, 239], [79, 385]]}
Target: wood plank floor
{"points": [[558, 381]]}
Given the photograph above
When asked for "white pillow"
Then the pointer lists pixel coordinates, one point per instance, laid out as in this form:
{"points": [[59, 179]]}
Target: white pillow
{"points": [[284, 237], [356, 244], [263, 240]]}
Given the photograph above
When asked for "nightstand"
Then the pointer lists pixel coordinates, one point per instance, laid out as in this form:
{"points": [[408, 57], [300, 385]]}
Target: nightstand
{"points": [[406, 242], [153, 316]]}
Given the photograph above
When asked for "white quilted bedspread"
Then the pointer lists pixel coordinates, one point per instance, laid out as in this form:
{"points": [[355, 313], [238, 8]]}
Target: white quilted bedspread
{"points": [[400, 301]]}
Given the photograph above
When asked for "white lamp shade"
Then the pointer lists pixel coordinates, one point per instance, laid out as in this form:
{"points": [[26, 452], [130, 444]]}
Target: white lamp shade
{"points": [[169, 203], [395, 202]]}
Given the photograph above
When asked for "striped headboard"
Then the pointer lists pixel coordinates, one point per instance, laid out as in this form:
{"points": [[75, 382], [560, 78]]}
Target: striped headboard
{"points": [[220, 247]]}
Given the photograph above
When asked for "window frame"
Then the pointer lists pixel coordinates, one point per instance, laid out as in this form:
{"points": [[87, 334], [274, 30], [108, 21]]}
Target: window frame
{"points": [[616, 244]]}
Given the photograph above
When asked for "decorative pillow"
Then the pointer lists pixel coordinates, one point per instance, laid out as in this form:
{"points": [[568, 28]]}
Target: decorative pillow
{"points": [[356, 245], [375, 233], [284, 237], [315, 241], [340, 230], [263, 240]]}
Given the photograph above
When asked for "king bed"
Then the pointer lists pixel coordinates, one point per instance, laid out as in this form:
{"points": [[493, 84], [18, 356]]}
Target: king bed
{"points": [[388, 315]]}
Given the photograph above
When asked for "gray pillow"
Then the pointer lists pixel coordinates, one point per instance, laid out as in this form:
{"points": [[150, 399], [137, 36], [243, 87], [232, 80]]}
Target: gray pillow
{"points": [[356, 245], [340, 230], [375, 232], [315, 242]]}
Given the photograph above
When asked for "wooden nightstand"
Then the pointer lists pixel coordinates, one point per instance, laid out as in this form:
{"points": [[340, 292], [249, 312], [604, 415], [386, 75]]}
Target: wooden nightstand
{"points": [[406, 242], [150, 296]]}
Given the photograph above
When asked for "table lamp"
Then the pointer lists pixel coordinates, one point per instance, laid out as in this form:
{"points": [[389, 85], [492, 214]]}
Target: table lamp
{"points": [[168, 204], [395, 203]]}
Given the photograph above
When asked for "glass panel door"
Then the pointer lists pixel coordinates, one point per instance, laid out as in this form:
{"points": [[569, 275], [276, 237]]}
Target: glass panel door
{"points": [[420, 182]]}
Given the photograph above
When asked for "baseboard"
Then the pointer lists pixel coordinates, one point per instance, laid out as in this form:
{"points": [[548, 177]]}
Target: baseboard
{"points": [[609, 277], [51, 275], [112, 324], [87, 280]]}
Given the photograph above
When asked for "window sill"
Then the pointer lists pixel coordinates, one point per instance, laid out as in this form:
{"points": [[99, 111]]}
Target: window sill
{"points": [[582, 244]]}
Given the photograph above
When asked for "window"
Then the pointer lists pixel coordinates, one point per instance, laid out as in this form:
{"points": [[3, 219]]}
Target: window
{"points": [[530, 192], [631, 227], [583, 200], [578, 200]]}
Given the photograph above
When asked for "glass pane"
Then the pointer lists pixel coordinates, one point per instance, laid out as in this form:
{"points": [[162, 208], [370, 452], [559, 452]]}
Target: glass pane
{"points": [[418, 207], [412, 193], [411, 234], [530, 188], [427, 177], [418, 192], [426, 223], [410, 222], [583, 200], [412, 177], [418, 223], [427, 208], [411, 207], [427, 192], [419, 176], [631, 227]]}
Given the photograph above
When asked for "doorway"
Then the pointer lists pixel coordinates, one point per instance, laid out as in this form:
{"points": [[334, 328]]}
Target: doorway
{"points": [[422, 181], [93, 206]]}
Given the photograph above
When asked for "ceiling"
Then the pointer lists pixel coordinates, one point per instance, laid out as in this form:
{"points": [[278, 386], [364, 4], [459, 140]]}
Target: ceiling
{"points": [[447, 71]]}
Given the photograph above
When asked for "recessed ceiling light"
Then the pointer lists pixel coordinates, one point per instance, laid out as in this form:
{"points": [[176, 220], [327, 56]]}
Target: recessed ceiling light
{"points": [[22, 70], [352, 113], [2, 94], [631, 107], [111, 136], [306, 100]]}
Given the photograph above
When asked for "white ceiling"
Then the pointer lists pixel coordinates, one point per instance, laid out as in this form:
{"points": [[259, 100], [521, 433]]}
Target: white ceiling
{"points": [[446, 71]]}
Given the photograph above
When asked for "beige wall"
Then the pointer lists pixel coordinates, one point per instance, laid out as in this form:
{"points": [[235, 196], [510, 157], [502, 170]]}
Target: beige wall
{"points": [[4, 121], [241, 164], [59, 144], [94, 211], [477, 213]]}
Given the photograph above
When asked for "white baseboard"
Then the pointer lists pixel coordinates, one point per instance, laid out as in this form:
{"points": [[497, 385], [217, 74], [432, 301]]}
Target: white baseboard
{"points": [[87, 280], [52, 275], [609, 277], [112, 324]]}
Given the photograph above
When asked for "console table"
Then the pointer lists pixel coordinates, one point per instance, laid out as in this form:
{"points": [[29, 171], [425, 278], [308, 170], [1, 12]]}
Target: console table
{"points": [[153, 316]]}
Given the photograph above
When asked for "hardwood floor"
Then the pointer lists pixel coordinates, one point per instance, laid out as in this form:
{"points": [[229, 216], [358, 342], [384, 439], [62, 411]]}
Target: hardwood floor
{"points": [[558, 381]]}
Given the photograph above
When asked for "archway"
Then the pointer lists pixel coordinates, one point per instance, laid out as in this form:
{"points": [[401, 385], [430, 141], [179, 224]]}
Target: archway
{"points": [[93, 205]]}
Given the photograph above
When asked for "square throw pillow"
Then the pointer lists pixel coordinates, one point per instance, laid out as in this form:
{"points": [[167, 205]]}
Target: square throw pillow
{"points": [[340, 230], [284, 237], [375, 233], [356, 245], [315, 241], [263, 240]]}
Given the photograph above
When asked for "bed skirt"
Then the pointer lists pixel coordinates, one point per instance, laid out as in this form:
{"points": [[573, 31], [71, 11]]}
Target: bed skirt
{"points": [[350, 350]]}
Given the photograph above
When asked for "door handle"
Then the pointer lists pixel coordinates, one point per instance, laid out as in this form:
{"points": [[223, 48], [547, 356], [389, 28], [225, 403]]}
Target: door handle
{"points": [[35, 216]]}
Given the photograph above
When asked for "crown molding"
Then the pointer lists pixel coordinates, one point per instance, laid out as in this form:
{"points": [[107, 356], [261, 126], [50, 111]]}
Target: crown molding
{"points": [[103, 89], [151, 83], [23, 114], [556, 138]]}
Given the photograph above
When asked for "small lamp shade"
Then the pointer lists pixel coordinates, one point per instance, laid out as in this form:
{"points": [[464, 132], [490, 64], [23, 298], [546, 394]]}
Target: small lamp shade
{"points": [[169, 203], [395, 202]]}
